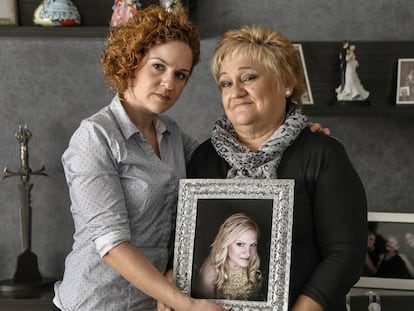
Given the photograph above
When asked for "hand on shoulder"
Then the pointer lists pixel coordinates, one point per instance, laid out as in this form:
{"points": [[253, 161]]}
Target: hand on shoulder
{"points": [[316, 127]]}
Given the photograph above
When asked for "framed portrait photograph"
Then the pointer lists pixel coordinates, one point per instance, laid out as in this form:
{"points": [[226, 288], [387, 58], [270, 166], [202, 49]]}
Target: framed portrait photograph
{"points": [[233, 242], [307, 98], [389, 262], [8, 12], [405, 81]]}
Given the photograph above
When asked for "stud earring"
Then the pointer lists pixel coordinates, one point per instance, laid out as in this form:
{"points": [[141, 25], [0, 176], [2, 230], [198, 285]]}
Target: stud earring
{"points": [[288, 93]]}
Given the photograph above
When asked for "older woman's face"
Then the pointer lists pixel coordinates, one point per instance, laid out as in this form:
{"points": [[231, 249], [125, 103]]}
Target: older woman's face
{"points": [[250, 95]]}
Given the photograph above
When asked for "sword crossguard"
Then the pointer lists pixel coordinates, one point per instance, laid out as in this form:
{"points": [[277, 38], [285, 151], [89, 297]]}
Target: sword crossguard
{"points": [[8, 173], [41, 171], [24, 173]]}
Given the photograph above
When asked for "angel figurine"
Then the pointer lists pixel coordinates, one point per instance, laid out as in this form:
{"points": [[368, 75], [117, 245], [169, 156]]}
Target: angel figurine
{"points": [[351, 88]]}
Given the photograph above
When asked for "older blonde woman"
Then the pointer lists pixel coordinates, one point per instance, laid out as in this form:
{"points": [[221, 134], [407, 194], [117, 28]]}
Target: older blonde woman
{"points": [[231, 271], [264, 134]]}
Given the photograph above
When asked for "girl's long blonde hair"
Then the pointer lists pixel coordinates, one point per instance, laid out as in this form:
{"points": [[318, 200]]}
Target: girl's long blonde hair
{"points": [[229, 231]]}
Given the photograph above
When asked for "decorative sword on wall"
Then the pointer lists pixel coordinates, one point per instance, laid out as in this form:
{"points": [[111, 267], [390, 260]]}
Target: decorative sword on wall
{"points": [[27, 270]]}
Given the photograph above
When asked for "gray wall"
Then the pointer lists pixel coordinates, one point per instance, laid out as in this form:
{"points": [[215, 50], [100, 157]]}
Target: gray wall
{"points": [[51, 84]]}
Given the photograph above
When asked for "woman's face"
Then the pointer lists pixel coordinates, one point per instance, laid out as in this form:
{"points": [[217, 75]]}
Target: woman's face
{"points": [[409, 238], [371, 240], [391, 244], [242, 249], [160, 80], [250, 95]]}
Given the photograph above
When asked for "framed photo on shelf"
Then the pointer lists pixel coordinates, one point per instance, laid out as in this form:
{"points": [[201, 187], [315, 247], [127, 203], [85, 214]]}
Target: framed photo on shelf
{"points": [[206, 207], [307, 98], [8, 12], [405, 81], [390, 258]]}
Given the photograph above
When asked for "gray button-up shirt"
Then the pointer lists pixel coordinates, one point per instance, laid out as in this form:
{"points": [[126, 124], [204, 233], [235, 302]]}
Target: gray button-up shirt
{"points": [[120, 191]]}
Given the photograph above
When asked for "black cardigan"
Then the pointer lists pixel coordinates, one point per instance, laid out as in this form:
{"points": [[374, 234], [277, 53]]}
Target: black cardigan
{"points": [[329, 238]]}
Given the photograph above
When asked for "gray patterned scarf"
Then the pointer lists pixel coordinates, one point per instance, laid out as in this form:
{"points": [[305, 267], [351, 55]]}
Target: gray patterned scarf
{"points": [[264, 162]]}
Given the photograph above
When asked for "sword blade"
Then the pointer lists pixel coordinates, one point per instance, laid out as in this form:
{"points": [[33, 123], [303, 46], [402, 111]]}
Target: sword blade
{"points": [[25, 213]]}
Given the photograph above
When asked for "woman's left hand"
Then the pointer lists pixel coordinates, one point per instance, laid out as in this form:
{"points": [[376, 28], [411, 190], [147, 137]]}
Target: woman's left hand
{"points": [[305, 303], [316, 127]]}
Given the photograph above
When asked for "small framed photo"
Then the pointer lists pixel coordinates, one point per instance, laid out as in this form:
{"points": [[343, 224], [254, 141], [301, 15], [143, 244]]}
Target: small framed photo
{"points": [[405, 81], [233, 242], [389, 263], [307, 98], [8, 12]]}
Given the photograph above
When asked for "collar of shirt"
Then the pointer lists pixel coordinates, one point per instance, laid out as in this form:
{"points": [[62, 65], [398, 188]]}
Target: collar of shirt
{"points": [[127, 127]]}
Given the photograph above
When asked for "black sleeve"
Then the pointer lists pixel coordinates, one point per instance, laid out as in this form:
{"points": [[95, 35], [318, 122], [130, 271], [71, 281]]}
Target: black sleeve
{"points": [[340, 220], [205, 163]]}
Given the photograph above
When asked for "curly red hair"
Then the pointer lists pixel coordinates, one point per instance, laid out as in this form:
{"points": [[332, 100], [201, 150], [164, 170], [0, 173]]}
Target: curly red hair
{"points": [[128, 44]]}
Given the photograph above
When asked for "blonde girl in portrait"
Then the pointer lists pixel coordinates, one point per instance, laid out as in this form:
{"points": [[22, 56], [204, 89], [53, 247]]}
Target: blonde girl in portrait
{"points": [[232, 269]]}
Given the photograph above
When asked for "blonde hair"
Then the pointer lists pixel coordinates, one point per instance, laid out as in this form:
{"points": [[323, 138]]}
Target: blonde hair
{"points": [[268, 47], [128, 44], [229, 231]]}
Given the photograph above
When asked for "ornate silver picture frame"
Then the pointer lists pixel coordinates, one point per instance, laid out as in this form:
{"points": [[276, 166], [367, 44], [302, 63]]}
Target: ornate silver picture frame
{"points": [[391, 233], [405, 81], [203, 205], [8, 12], [307, 98]]}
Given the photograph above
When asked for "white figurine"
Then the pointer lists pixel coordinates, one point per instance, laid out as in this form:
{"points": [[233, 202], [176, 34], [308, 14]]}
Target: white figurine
{"points": [[171, 5], [374, 301], [351, 88]]}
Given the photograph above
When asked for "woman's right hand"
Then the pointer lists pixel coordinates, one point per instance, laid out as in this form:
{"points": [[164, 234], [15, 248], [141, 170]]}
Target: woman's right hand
{"points": [[195, 305], [205, 305]]}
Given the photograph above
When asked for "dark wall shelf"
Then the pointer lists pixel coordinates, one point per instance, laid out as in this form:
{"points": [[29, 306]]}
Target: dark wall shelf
{"points": [[370, 111], [378, 62], [94, 13], [95, 18], [53, 32]]}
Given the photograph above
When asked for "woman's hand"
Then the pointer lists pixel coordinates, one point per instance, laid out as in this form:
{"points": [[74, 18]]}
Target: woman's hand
{"points": [[204, 305], [195, 305], [316, 127], [160, 306], [305, 303], [163, 307]]}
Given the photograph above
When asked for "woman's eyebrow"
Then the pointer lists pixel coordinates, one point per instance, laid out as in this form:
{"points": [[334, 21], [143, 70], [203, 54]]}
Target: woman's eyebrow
{"points": [[165, 62]]}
